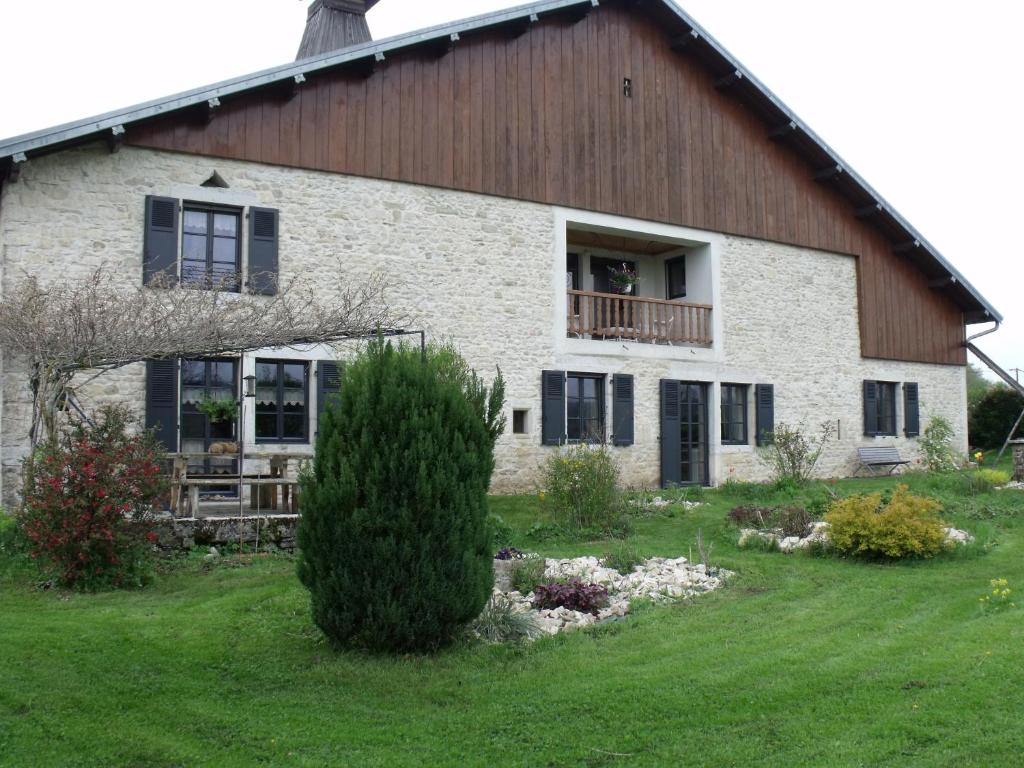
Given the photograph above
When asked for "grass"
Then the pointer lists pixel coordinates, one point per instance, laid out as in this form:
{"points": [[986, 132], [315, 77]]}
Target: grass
{"points": [[799, 661]]}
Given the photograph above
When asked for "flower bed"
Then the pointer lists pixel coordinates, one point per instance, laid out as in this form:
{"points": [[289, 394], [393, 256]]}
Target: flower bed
{"points": [[659, 579]]}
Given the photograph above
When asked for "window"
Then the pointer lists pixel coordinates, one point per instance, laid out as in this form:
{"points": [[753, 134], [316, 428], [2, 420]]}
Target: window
{"points": [[584, 407], [281, 396], [675, 278], [519, 423], [734, 414], [880, 408], [210, 249]]}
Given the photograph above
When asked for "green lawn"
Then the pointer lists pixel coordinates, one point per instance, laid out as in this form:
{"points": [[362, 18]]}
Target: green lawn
{"points": [[799, 661]]}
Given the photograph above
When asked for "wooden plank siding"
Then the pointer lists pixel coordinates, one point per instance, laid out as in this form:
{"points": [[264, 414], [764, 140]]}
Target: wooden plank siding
{"points": [[543, 117]]}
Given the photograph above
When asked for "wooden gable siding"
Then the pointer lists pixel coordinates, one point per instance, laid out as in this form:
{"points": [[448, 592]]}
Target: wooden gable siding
{"points": [[543, 117]]}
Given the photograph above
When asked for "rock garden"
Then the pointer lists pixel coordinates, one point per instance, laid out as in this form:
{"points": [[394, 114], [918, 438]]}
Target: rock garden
{"points": [[582, 591]]}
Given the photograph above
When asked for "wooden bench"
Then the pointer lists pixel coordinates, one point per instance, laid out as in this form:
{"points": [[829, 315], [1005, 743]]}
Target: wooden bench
{"points": [[883, 456], [194, 484]]}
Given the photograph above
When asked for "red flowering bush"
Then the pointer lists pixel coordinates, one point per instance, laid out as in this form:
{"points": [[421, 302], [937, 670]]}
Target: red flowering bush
{"points": [[88, 508]]}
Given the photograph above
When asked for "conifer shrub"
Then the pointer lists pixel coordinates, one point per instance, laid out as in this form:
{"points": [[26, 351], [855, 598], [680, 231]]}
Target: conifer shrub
{"points": [[88, 506], [395, 546], [904, 526]]}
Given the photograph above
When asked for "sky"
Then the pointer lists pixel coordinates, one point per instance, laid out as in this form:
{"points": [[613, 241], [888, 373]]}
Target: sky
{"points": [[921, 97]]}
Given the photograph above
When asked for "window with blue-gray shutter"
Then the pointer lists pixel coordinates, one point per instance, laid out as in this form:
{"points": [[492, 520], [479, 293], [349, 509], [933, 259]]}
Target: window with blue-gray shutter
{"points": [[911, 410], [328, 384], [552, 407], [764, 402], [622, 409], [162, 402], [263, 248], [160, 242], [671, 437]]}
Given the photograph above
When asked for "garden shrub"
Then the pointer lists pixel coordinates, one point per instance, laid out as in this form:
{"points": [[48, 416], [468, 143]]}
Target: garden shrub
{"points": [[792, 453], [992, 417], [936, 443], [509, 553], [574, 595], [394, 543], [905, 525], [581, 488], [88, 505], [503, 621], [527, 573]]}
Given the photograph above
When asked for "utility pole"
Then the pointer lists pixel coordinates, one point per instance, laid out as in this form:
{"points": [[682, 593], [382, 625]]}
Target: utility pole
{"points": [[1016, 373]]}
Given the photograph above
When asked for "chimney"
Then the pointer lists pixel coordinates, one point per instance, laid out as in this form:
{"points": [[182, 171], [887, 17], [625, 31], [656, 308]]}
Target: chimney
{"points": [[334, 24]]}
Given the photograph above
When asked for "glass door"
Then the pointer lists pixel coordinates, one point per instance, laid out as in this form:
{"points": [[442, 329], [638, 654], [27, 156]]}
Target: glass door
{"points": [[693, 433], [204, 381]]}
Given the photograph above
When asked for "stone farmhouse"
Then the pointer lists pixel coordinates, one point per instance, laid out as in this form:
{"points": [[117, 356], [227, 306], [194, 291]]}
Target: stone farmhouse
{"points": [[592, 194]]}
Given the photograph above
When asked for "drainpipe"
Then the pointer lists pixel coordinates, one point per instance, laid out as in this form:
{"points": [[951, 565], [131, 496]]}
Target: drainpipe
{"points": [[986, 332]]}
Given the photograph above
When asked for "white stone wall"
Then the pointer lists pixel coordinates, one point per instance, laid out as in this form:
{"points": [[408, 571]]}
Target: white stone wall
{"points": [[485, 272]]}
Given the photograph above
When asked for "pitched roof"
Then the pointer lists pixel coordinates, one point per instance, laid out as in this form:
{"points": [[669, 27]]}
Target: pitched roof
{"points": [[787, 126]]}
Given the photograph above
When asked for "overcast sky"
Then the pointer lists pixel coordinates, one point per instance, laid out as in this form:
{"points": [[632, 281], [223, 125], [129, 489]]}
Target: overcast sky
{"points": [[921, 97]]}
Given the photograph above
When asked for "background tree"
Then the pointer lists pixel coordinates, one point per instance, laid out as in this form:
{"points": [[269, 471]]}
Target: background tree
{"points": [[394, 542], [977, 385], [991, 418]]}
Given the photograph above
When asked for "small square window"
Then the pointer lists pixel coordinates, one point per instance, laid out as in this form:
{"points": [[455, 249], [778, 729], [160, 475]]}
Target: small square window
{"points": [[519, 421]]}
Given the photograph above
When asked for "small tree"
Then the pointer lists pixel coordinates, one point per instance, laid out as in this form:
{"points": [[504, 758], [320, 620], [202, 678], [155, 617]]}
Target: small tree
{"points": [[792, 454], [937, 445], [88, 508], [394, 543]]}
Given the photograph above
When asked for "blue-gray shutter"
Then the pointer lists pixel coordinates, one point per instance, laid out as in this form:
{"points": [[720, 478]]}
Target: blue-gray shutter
{"points": [[263, 237], [162, 401], [671, 439], [911, 410], [764, 405], [871, 408], [328, 383], [622, 409], [160, 242], [552, 407]]}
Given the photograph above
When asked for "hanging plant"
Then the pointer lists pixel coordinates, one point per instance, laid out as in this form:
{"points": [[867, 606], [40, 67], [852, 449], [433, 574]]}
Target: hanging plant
{"points": [[218, 411]]}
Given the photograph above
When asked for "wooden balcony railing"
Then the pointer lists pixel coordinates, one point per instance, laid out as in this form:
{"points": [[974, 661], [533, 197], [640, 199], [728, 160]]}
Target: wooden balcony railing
{"points": [[618, 316]]}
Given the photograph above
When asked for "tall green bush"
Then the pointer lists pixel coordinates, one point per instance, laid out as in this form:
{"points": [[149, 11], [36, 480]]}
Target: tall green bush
{"points": [[395, 546], [581, 487], [992, 417]]}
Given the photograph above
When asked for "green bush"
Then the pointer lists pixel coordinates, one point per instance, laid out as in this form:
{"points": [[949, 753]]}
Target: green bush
{"points": [[527, 574], [994, 477], [904, 526], [394, 543], [992, 417], [581, 488], [502, 534]]}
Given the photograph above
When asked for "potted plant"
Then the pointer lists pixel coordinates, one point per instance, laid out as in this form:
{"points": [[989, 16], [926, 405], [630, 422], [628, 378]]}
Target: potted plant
{"points": [[218, 410], [622, 280]]}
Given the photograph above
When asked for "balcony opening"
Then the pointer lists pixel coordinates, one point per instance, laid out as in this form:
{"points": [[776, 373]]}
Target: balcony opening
{"points": [[634, 287]]}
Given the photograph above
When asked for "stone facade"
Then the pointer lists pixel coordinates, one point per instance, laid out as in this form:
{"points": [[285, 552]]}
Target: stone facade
{"points": [[487, 273]]}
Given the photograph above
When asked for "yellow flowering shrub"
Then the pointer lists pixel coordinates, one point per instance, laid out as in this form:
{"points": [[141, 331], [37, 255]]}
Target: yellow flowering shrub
{"points": [[906, 526]]}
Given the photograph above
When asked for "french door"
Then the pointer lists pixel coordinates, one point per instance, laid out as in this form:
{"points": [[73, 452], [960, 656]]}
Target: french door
{"points": [[684, 433], [201, 380]]}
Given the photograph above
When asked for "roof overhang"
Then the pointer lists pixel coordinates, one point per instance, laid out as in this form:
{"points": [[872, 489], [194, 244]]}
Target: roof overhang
{"points": [[688, 37]]}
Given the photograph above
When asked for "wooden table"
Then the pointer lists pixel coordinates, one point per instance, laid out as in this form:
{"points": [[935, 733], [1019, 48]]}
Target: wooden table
{"points": [[184, 497]]}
